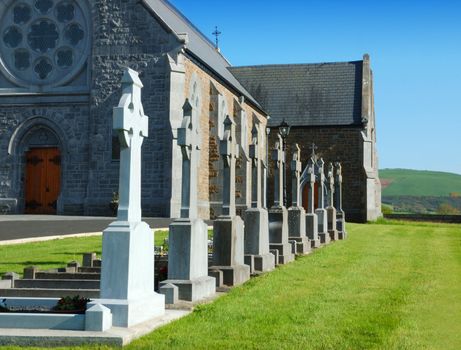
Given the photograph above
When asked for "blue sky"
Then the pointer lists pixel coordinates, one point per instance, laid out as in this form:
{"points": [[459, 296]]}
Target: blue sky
{"points": [[415, 50]]}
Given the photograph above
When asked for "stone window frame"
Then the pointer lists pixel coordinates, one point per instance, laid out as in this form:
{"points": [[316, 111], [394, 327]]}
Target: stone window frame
{"points": [[223, 112], [196, 101], [61, 74]]}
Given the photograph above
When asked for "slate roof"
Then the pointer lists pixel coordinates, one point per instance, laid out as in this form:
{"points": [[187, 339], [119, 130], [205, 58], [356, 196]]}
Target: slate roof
{"points": [[307, 94], [199, 45]]}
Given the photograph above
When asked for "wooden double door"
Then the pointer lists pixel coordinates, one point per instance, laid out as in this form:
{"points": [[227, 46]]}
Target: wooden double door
{"points": [[305, 196], [42, 180]]}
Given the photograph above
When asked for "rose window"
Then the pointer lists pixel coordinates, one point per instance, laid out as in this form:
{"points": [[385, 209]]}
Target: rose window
{"points": [[43, 41]]}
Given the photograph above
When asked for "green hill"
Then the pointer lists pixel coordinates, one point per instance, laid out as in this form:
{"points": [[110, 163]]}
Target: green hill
{"points": [[406, 182]]}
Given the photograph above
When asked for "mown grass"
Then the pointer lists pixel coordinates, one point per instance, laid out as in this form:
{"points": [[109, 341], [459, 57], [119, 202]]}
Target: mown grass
{"points": [[386, 287]]}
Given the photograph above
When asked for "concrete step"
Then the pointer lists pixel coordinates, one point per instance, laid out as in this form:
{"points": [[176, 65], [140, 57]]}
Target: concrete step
{"points": [[89, 269], [56, 284], [47, 293], [67, 276]]}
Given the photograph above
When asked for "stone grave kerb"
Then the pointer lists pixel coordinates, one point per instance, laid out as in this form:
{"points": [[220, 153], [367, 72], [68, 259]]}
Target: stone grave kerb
{"points": [[229, 151], [131, 125], [278, 156]]}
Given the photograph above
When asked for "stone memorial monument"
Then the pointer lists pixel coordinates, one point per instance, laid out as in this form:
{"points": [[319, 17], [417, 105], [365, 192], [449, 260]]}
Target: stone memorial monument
{"points": [[228, 228], [340, 215], [278, 214], [296, 213], [331, 210], [127, 273], [320, 211], [257, 253], [188, 236], [308, 178]]}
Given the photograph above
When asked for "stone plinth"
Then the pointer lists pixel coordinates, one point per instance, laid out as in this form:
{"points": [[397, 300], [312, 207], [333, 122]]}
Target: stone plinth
{"points": [[312, 230], [228, 250], [297, 229], [331, 219], [188, 260], [127, 275], [322, 218], [257, 239], [278, 234], [341, 224]]}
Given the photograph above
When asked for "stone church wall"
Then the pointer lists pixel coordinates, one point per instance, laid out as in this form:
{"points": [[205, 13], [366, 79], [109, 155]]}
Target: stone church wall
{"points": [[341, 144], [213, 93], [126, 34]]}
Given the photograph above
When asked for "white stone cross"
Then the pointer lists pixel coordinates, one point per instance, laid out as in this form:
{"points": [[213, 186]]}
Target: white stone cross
{"points": [[331, 184], [296, 172], [338, 187], [320, 175], [311, 176], [189, 140], [132, 127], [256, 170], [278, 156], [228, 149]]}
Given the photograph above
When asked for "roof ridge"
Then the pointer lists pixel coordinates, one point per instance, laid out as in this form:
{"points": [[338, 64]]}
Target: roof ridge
{"points": [[282, 65]]}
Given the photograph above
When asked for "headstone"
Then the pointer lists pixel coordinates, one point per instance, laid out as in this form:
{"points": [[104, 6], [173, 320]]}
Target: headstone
{"points": [[331, 210], [127, 273], [278, 214], [257, 253], [29, 272], [228, 228], [321, 211], [188, 235], [296, 213], [338, 203], [308, 179]]}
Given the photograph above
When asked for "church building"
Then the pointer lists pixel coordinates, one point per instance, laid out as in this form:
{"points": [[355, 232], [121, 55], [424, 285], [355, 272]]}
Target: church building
{"points": [[61, 63]]}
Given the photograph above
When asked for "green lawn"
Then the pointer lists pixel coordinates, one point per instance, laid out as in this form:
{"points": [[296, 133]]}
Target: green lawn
{"points": [[389, 286]]}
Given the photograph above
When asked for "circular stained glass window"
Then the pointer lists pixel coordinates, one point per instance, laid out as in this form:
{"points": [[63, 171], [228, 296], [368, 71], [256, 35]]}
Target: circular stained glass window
{"points": [[43, 41]]}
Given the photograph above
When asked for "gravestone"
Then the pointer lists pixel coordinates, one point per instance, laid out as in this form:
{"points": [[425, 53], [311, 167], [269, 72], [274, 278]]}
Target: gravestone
{"points": [[296, 213], [340, 215], [308, 179], [257, 253], [331, 211], [228, 228], [127, 273], [278, 214], [321, 211], [188, 235]]}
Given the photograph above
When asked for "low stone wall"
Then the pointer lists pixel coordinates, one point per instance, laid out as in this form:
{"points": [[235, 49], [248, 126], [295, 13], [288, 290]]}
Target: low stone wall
{"points": [[452, 219]]}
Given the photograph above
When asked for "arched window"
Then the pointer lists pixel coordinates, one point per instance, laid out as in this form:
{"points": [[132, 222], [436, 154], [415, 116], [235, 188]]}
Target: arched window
{"points": [[223, 111]]}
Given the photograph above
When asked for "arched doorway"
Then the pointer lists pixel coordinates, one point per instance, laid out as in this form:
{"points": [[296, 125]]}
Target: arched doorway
{"points": [[305, 196], [42, 171]]}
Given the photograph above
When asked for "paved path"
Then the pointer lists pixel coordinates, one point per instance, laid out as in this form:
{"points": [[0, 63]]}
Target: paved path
{"points": [[14, 227]]}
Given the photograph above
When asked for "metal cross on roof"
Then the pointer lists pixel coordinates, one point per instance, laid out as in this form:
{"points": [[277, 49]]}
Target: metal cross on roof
{"points": [[217, 33]]}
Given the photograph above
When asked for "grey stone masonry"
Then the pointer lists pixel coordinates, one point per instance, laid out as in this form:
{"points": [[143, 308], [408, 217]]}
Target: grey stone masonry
{"points": [[331, 210], [296, 213], [321, 211], [228, 228], [188, 236], [256, 217], [308, 179], [278, 214], [338, 203]]}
